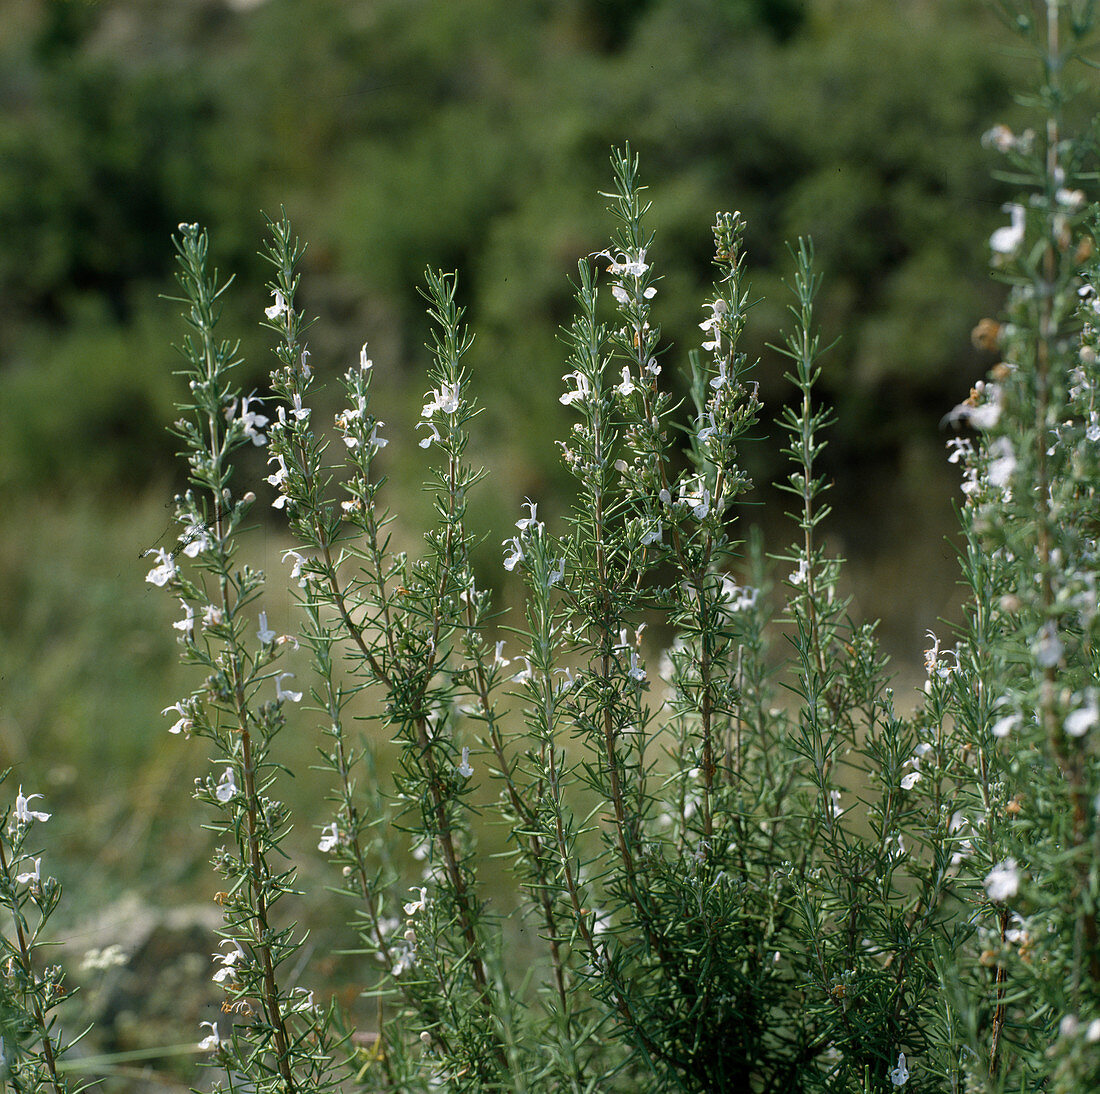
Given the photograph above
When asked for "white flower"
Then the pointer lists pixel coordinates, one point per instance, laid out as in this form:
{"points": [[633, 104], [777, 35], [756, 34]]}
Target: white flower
{"points": [[1007, 239], [712, 326], [1049, 648], [283, 696], [296, 569], [23, 814], [227, 786], [636, 670], [1003, 881], [517, 553], [406, 958], [709, 431], [498, 657], [910, 780], [228, 959], [249, 419], [801, 574], [529, 522], [580, 393], [212, 616], [428, 440], [656, 534], [265, 634], [999, 137], [624, 264], [185, 723], [32, 876], [1003, 464], [186, 625], [445, 399], [899, 1076], [278, 480], [278, 308], [374, 440], [415, 906], [1002, 727], [557, 575], [330, 837], [195, 539], [1079, 722], [365, 363], [165, 569], [299, 412], [303, 363], [627, 386], [697, 496], [464, 769], [211, 1042]]}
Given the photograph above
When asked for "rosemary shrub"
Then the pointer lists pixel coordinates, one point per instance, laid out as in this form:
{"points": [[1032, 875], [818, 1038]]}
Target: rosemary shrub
{"points": [[744, 867]]}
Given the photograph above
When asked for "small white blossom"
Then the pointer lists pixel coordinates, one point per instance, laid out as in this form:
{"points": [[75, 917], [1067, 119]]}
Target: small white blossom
{"points": [[298, 412], [557, 574], [330, 838], [365, 363], [1079, 722], [445, 399], [165, 569], [283, 696], [227, 786], [278, 308], [1049, 648], [517, 553], [580, 393], [374, 440], [249, 419], [1003, 881], [32, 877], [296, 569], [636, 670], [899, 1076], [426, 441], [464, 769], [1006, 240], [186, 625], [228, 960], [624, 264], [185, 724], [627, 386], [24, 814], [1003, 726], [801, 574], [1003, 464], [212, 616], [415, 906], [910, 780], [195, 539], [529, 522], [212, 1040], [265, 633]]}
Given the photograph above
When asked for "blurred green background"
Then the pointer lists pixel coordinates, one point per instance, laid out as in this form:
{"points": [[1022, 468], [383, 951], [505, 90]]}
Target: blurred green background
{"points": [[468, 134]]}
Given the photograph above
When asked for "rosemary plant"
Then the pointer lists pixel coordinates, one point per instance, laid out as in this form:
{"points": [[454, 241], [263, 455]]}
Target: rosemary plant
{"points": [[735, 862]]}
